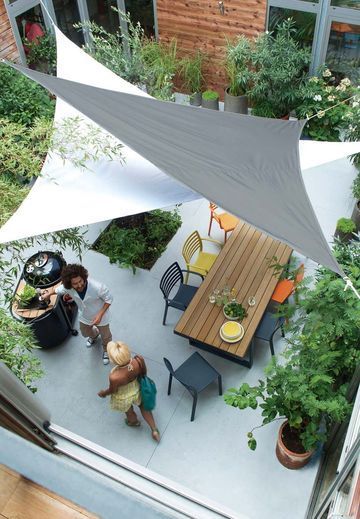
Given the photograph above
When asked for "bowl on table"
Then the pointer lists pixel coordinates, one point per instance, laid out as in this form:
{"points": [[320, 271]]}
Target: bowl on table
{"points": [[234, 311]]}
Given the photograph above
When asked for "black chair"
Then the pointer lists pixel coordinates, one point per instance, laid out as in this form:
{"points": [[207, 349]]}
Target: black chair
{"points": [[184, 294], [267, 328], [195, 374]]}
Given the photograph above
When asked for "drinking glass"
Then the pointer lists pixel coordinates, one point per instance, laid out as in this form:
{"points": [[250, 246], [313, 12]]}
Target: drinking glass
{"points": [[212, 298], [252, 301]]}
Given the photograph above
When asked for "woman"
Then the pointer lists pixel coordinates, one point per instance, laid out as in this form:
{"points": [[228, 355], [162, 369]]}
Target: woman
{"points": [[124, 387]]}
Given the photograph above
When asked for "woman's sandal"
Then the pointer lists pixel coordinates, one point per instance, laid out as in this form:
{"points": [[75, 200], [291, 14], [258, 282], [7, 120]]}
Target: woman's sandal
{"points": [[132, 424], [155, 434]]}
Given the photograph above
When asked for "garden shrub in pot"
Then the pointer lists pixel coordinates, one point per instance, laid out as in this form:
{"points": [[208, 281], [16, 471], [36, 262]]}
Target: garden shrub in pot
{"points": [[191, 72], [308, 388], [237, 65], [210, 99], [278, 69], [345, 227]]}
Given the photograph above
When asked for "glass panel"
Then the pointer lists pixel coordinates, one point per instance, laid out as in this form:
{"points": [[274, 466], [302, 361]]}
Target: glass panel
{"points": [[304, 22], [352, 4], [142, 11], [67, 13], [100, 11], [31, 24], [343, 53]]}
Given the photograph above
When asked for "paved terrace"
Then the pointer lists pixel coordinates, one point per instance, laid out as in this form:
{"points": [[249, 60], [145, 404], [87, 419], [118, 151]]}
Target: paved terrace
{"points": [[209, 455]]}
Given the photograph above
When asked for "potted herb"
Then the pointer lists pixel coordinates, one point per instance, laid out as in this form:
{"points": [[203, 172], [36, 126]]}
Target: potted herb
{"points": [[191, 71], [316, 95], [279, 67], [210, 99], [237, 69], [26, 296], [345, 227]]}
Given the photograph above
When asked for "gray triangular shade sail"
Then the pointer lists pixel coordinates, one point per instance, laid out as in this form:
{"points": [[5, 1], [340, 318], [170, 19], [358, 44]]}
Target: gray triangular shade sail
{"points": [[247, 165]]}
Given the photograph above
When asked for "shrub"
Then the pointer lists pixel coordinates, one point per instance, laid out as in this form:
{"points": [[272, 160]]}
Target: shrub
{"points": [[16, 350], [356, 187], [210, 95], [42, 53], [138, 241], [22, 100], [345, 225]]}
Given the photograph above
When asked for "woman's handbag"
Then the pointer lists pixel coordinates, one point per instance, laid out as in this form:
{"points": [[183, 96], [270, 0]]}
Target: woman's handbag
{"points": [[148, 392]]}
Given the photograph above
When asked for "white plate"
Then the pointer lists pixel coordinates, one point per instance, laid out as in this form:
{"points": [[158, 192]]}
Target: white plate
{"points": [[236, 339]]}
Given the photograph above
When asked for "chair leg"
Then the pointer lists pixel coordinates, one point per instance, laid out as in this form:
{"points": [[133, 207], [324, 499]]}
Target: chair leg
{"points": [[187, 274], [220, 385], [282, 331], [165, 313], [169, 385], [210, 224], [271, 346], [194, 395], [225, 236]]}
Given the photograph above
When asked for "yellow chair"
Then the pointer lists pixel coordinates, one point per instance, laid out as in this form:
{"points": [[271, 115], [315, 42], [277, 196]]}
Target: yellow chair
{"points": [[226, 221], [204, 260]]}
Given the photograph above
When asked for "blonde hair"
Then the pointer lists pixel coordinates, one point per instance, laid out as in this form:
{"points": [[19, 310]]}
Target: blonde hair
{"points": [[119, 353]]}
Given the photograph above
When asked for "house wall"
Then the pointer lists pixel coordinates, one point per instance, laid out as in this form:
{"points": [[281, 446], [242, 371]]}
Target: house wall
{"points": [[198, 24], [8, 49]]}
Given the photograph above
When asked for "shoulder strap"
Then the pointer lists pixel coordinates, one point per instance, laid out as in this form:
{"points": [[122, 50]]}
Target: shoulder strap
{"points": [[141, 362]]}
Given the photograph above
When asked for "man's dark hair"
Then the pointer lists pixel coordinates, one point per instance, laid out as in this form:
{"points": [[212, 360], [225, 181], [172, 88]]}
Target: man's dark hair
{"points": [[70, 271]]}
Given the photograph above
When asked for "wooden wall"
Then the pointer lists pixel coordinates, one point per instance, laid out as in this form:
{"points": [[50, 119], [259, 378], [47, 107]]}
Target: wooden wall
{"points": [[8, 49], [198, 24]]}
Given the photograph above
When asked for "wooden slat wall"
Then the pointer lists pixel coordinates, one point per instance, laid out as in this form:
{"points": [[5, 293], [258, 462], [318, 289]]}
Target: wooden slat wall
{"points": [[8, 48], [198, 24]]}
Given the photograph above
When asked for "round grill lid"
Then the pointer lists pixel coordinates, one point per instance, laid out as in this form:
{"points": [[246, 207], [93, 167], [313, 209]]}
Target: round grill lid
{"points": [[44, 269]]}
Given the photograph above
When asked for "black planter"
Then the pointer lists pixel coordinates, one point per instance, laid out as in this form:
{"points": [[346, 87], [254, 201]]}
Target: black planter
{"points": [[212, 104], [236, 104], [195, 99]]}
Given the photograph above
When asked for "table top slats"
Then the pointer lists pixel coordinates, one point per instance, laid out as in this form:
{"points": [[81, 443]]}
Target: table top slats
{"points": [[242, 264]]}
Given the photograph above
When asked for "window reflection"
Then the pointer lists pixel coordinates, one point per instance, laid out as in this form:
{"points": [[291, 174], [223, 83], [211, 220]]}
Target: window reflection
{"points": [[304, 23], [101, 12], [352, 4], [343, 54], [142, 11], [67, 13]]}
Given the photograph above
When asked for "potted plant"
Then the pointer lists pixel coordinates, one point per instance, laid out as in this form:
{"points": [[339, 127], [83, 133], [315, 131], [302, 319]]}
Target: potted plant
{"points": [[26, 296], [237, 68], [308, 387], [191, 71], [279, 67], [316, 95], [345, 227], [210, 99]]}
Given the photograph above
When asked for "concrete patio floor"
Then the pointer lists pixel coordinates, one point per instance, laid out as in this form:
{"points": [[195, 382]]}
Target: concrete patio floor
{"points": [[209, 455]]}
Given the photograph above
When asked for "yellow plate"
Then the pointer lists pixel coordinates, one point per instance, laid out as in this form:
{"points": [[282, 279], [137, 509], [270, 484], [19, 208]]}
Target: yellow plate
{"points": [[236, 339]]}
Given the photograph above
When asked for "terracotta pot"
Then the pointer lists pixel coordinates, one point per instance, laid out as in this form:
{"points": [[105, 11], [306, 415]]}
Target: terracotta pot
{"points": [[236, 104], [290, 460], [285, 117], [356, 215]]}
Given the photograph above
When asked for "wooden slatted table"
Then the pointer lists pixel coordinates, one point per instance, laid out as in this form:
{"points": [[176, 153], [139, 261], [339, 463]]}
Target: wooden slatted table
{"points": [[243, 264]]}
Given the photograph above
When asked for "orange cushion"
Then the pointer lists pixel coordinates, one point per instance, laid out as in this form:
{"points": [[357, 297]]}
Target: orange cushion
{"points": [[283, 290]]}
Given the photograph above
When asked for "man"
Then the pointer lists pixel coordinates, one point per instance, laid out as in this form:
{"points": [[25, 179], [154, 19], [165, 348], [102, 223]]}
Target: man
{"points": [[93, 300]]}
